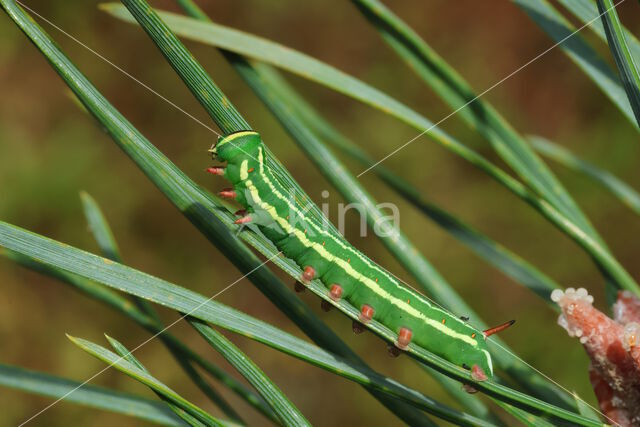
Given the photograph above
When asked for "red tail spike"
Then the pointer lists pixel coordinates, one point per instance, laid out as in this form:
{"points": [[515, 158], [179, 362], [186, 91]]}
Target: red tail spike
{"points": [[499, 328], [243, 220], [228, 193], [216, 170]]}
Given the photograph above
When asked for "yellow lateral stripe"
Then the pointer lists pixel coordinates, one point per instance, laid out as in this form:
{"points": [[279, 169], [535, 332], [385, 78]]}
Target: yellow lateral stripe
{"points": [[315, 226], [372, 285], [349, 248], [350, 271]]}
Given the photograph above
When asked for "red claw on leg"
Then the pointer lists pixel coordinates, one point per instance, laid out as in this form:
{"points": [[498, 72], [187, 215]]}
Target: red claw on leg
{"points": [[243, 220], [478, 374], [228, 193], [216, 170]]}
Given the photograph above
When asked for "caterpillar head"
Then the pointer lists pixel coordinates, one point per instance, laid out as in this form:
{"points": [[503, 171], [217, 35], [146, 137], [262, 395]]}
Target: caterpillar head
{"points": [[240, 144]]}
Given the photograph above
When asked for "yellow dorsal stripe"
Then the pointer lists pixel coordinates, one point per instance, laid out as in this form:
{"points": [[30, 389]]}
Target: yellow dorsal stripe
{"points": [[233, 136]]}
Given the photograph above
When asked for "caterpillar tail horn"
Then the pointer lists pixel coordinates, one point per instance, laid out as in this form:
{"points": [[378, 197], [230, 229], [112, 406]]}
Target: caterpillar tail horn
{"points": [[499, 328]]}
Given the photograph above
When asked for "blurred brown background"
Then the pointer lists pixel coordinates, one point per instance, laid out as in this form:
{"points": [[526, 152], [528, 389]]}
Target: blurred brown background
{"points": [[50, 150]]}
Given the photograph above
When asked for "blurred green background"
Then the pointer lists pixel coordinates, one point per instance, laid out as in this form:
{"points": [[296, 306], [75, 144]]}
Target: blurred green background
{"points": [[50, 150]]}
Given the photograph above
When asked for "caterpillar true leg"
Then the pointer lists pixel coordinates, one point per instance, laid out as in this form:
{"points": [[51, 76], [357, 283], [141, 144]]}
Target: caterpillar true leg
{"points": [[244, 220], [216, 170], [228, 193]]}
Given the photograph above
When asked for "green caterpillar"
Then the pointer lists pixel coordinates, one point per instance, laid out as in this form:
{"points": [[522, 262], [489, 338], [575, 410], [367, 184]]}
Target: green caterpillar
{"points": [[347, 273]]}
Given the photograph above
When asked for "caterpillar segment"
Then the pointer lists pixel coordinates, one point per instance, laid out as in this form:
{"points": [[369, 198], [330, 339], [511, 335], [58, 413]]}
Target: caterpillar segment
{"points": [[346, 273]]}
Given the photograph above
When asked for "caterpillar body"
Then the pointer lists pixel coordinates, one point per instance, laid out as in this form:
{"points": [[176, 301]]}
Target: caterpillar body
{"points": [[346, 272]]}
